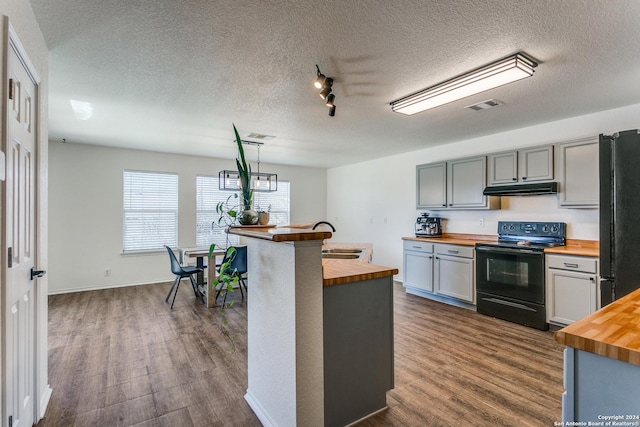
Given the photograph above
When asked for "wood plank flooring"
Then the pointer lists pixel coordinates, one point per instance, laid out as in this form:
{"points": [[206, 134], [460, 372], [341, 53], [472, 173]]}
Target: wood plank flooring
{"points": [[120, 357]]}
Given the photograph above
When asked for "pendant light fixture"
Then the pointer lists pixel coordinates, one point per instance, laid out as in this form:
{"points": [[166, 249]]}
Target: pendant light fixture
{"points": [[229, 180], [325, 85], [501, 72]]}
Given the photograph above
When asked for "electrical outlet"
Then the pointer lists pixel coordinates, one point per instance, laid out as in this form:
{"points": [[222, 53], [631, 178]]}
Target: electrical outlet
{"points": [[107, 272], [385, 219], [481, 222]]}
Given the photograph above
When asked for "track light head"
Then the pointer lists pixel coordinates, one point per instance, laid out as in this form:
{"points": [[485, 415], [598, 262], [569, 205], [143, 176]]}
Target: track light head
{"points": [[319, 82], [332, 111], [324, 93], [329, 101]]}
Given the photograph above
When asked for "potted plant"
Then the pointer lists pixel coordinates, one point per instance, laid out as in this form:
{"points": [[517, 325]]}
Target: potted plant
{"points": [[263, 216], [226, 279], [247, 216]]}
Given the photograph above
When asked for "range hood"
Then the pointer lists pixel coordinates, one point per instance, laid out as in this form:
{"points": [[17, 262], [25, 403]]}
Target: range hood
{"points": [[537, 188]]}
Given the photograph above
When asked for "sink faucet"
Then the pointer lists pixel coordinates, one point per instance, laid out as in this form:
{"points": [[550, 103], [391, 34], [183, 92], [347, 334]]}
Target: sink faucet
{"points": [[323, 222]]}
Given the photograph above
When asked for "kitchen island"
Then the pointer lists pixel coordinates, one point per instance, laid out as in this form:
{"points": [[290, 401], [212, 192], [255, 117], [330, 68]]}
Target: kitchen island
{"points": [[320, 331], [602, 365]]}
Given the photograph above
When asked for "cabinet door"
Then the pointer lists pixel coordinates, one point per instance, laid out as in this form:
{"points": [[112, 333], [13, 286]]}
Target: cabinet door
{"points": [[503, 168], [536, 164], [578, 174], [467, 178], [431, 186], [454, 277], [418, 270], [570, 296]]}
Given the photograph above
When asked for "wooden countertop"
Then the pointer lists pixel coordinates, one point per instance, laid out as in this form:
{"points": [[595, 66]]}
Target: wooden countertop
{"points": [[280, 234], [573, 247], [613, 331], [456, 239], [340, 271], [577, 247]]}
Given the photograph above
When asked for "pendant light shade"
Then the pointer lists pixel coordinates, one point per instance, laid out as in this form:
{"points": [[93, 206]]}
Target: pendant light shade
{"points": [[507, 70]]}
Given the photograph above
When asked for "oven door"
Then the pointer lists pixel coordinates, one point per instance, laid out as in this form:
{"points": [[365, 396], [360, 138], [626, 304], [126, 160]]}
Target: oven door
{"points": [[512, 273]]}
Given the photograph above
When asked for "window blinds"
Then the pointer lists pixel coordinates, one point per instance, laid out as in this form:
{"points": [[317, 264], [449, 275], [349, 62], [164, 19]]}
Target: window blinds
{"points": [[150, 210]]}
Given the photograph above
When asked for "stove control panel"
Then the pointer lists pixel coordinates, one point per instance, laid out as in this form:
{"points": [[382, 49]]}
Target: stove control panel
{"points": [[536, 229]]}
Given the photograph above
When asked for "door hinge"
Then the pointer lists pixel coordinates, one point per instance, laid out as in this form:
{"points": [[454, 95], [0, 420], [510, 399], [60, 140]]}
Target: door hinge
{"points": [[10, 257], [12, 87]]}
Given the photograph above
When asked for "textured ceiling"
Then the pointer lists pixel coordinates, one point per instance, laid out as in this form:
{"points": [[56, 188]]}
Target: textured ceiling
{"points": [[173, 75]]}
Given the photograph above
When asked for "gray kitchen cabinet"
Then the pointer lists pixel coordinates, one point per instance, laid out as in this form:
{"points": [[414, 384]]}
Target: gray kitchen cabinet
{"points": [[577, 169], [456, 184], [503, 168], [418, 265], [466, 179], [454, 272], [535, 164], [521, 166], [571, 288], [431, 186]]}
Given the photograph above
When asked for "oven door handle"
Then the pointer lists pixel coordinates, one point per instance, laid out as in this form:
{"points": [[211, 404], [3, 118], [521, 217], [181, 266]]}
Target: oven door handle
{"points": [[506, 250]]}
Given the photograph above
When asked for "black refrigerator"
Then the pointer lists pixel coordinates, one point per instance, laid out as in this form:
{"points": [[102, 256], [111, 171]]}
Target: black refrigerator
{"points": [[619, 215]]}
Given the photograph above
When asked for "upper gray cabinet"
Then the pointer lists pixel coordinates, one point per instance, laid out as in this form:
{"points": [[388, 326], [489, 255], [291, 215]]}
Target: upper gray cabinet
{"points": [[577, 169], [466, 180], [535, 164], [456, 184], [521, 166], [503, 168], [431, 186]]}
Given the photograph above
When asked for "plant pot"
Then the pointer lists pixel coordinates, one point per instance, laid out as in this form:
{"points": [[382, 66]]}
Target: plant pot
{"points": [[248, 217], [263, 218]]}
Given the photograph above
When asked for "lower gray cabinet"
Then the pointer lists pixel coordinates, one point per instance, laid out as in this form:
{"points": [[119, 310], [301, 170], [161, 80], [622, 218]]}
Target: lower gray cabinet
{"points": [[454, 272], [439, 270], [571, 288]]}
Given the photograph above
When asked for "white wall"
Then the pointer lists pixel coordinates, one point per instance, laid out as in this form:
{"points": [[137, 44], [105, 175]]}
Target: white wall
{"points": [[374, 201], [85, 191]]}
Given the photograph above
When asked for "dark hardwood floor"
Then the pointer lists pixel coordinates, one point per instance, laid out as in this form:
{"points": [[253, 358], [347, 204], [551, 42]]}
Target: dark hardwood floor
{"points": [[120, 357]]}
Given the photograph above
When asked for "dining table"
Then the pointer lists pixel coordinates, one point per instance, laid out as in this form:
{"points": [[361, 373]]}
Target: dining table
{"points": [[200, 253]]}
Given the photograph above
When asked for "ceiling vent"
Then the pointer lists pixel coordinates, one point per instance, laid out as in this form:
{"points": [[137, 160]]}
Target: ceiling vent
{"points": [[485, 105], [260, 136]]}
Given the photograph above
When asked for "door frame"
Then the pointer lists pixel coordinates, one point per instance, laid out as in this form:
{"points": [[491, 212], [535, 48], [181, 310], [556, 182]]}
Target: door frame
{"points": [[42, 390]]}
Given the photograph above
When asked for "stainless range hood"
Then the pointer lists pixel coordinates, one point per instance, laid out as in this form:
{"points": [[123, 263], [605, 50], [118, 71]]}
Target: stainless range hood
{"points": [[536, 188]]}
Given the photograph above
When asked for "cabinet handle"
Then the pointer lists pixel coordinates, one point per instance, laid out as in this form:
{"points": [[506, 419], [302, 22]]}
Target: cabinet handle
{"points": [[592, 279], [444, 204], [416, 247], [570, 265], [452, 251], [514, 179], [524, 178], [450, 204], [429, 257]]}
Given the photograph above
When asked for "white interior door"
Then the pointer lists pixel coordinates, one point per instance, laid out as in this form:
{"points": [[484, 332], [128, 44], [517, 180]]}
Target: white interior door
{"points": [[19, 296]]}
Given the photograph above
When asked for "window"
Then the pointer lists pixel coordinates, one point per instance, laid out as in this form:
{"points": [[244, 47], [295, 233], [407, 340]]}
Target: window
{"points": [[208, 195], [279, 202], [150, 210]]}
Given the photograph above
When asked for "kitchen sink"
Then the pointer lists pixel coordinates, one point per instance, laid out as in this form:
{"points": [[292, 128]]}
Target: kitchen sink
{"points": [[342, 251], [340, 255]]}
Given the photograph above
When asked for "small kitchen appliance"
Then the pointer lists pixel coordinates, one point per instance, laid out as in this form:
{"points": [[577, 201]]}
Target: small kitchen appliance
{"points": [[427, 226], [510, 273]]}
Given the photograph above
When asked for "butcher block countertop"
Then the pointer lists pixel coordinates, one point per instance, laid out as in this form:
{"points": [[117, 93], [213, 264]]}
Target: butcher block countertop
{"points": [[613, 331], [456, 239], [340, 271], [577, 247], [573, 247], [280, 234]]}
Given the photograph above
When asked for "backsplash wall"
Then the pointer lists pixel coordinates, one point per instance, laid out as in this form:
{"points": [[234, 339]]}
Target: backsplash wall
{"points": [[581, 223]]}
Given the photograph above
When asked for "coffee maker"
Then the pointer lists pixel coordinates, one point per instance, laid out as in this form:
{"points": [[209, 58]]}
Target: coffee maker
{"points": [[428, 226]]}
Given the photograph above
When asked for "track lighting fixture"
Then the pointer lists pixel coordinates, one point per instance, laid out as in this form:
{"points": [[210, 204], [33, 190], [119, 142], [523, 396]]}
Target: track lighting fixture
{"points": [[325, 85], [330, 98]]}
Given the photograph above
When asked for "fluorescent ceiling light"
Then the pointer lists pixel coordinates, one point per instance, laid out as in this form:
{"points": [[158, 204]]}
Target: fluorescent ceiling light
{"points": [[82, 110], [510, 69]]}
